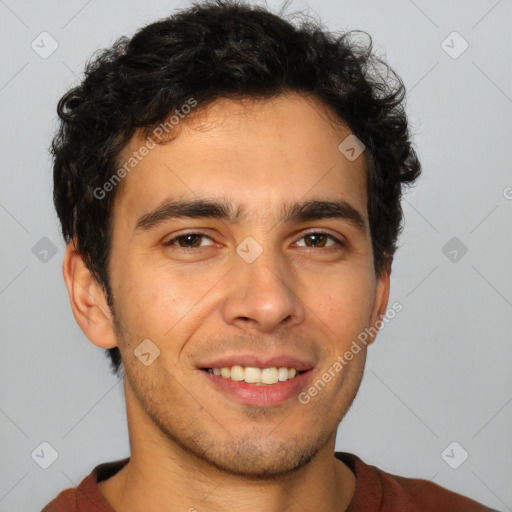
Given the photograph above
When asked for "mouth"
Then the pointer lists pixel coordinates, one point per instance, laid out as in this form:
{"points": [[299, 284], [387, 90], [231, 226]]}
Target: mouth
{"points": [[260, 387], [253, 375]]}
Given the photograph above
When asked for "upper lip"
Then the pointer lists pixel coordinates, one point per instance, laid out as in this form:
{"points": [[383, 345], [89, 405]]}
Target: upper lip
{"points": [[259, 361]]}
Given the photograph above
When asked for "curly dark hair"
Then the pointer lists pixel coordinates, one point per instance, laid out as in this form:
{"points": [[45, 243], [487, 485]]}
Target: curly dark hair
{"points": [[224, 49]]}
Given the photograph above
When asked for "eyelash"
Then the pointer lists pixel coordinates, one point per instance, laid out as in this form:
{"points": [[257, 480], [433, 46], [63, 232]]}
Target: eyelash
{"points": [[189, 249]]}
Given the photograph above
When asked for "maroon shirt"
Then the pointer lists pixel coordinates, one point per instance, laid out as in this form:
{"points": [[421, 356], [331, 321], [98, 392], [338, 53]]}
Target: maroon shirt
{"points": [[376, 491]]}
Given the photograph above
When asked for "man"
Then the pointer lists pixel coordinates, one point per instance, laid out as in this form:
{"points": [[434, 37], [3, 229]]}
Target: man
{"points": [[229, 190]]}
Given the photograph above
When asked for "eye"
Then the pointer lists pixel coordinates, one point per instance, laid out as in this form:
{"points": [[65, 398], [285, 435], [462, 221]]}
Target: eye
{"points": [[316, 239], [188, 240], [319, 239]]}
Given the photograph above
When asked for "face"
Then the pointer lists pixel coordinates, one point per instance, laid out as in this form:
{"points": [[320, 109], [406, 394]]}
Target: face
{"points": [[277, 285]]}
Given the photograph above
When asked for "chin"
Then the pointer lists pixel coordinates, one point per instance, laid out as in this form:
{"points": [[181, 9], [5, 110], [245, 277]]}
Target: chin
{"points": [[259, 460]]}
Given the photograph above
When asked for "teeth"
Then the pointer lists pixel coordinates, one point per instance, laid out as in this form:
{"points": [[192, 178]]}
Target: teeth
{"points": [[254, 375], [269, 376], [237, 373]]}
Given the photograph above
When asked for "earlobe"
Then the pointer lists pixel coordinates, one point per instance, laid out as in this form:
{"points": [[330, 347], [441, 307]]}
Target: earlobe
{"points": [[88, 301]]}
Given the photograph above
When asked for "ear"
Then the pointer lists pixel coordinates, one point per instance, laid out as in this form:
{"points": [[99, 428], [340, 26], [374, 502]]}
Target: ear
{"points": [[88, 300], [381, 301]]}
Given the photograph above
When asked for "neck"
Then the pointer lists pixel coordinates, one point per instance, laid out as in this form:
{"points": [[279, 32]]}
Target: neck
{"points": [[162, 488]]}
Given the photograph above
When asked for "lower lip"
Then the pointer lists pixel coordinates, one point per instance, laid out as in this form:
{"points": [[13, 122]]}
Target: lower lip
{"points": [[264, 395]]}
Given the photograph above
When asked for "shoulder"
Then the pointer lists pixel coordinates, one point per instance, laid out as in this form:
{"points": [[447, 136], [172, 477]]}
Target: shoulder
{"points": [[419, 494], [378, 490], [87, 497], [66, 501]]}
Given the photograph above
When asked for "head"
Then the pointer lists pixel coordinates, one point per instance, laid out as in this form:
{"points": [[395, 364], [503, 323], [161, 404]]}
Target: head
{"points": [[231, 118]]}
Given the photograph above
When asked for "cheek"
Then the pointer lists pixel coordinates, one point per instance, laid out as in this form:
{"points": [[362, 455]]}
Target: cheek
{"points": [[161, 302], [344, 303]]}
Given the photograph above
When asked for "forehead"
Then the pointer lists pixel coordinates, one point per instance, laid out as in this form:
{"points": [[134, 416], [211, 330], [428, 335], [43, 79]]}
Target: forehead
{"points": [[261, 153]]}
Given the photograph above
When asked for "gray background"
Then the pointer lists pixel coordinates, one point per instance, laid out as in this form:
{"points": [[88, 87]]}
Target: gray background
{"points": [[438, 373]]}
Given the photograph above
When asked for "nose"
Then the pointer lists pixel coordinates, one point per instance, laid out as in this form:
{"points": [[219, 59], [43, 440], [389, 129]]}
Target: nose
{"points": [[261, 295]]}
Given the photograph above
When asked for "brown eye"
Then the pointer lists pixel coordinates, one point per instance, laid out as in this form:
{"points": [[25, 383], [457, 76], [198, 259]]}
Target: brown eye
{"points": [[320, 240], [316, 240], [188, 240]]}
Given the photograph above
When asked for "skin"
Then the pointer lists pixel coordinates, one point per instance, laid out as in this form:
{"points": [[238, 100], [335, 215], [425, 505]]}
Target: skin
{"points": [[192, 447]]}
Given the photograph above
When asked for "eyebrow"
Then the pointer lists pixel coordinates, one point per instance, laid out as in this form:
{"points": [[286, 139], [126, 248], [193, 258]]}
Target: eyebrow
{"points": [[220, 209]]}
